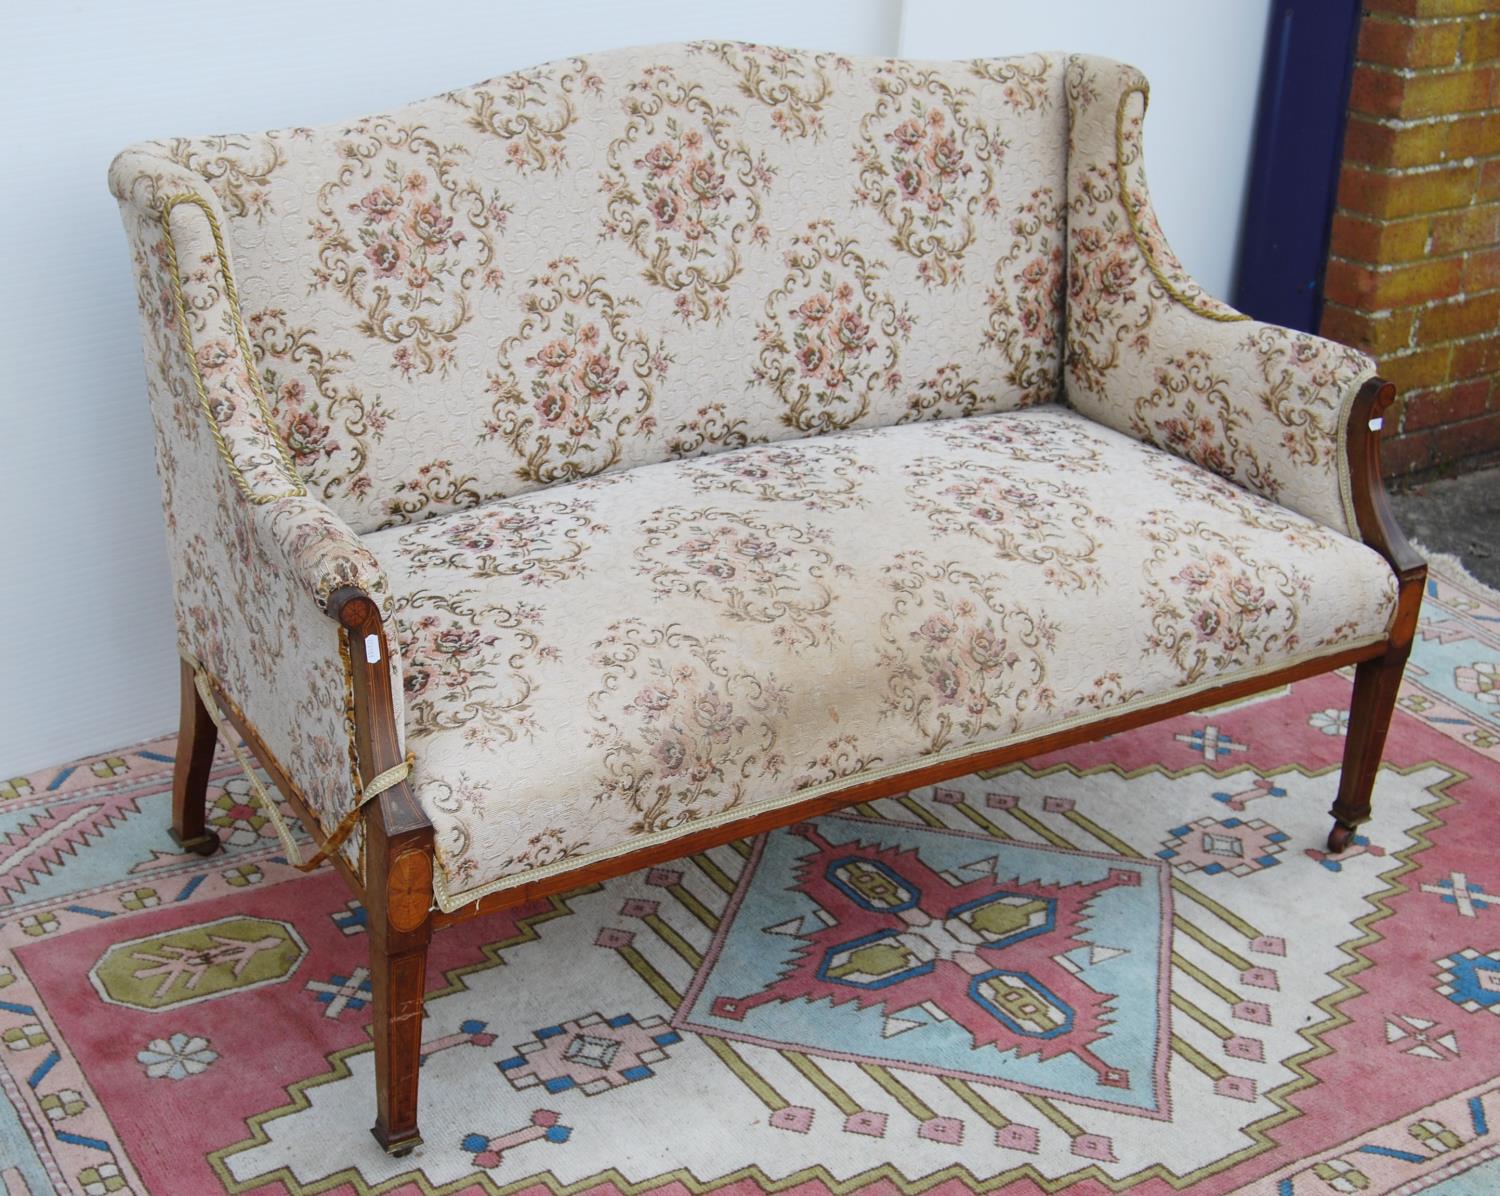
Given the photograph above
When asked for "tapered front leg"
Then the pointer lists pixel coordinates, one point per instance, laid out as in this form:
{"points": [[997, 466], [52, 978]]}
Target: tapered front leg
{"points": [[1376, 684], [196, 737], [398, 895]]}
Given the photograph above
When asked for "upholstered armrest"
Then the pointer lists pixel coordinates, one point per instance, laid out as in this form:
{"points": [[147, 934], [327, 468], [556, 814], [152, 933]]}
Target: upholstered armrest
{"points": [[256, 559], [199, 304], [1151, 354]]}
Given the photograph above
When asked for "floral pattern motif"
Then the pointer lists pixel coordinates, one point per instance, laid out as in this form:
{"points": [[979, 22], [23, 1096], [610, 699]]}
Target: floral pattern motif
{"points": [[533, 540], [576, 381], [830, 340], [1026, 299], [777, 574], [406, 238], [792, 86], [935, 587], [381, 262], [705, 727], [928, 165], [1212, 598], [466, 666], [1149, 353], [684, 192], [976, 663], [816, 476], [328, 305], [531, 111], [1019, 516]]}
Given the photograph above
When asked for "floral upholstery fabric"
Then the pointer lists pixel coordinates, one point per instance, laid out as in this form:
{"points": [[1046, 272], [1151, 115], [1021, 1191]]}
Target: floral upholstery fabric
{"points": [[591, 375], [1148, 352], [625, 658], [254, 557], [642, 255]]}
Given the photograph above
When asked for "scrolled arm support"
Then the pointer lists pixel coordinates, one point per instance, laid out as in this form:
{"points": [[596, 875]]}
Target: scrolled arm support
{"points": [[1151, 354]]}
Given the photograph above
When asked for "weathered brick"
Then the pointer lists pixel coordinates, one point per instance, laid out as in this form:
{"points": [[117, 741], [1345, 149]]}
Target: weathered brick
{"points": [[1401, 44], [1481, 270], [1376, 92], [1464, 90], [1481, 41], [1379, 241], [1421, 370], [1446, 404], [1478, 356], [1392, 195], [1458, 232], [1458, 319], [1429, 8], [1400, 455], [1369, 333], [1489, 182], [1468, 438], [1473, 136], [1401, 286]]}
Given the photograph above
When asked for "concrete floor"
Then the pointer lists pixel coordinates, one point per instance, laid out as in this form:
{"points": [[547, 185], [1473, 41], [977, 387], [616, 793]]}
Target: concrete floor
{"points": [[1458, 515]]}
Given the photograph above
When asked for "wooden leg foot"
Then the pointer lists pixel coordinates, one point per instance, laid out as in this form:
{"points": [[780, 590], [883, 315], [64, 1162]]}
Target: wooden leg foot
{"points": [[1339, 838], [196, 737], [1376, 683], [205, 844]]}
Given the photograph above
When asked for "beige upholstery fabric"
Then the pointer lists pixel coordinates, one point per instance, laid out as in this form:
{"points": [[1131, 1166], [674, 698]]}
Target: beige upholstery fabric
{"points": [[631, 656], [254, 557], [1150, 353], [521, 326], [641, 255]]}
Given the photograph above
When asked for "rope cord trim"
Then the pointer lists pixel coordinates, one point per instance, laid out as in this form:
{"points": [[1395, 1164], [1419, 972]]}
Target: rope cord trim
{"points": [[376, 786]]}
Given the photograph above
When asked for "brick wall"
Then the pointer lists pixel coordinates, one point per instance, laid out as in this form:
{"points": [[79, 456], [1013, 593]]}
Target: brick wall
{"points": [[1414, 264]]}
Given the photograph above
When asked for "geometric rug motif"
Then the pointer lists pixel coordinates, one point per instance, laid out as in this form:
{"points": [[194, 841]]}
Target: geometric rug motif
{"points": [[1005, 983], [948, 953]]}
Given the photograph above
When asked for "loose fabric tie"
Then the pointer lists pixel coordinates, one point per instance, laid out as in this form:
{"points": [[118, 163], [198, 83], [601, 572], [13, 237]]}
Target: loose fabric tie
{"points": [[377, 785]]}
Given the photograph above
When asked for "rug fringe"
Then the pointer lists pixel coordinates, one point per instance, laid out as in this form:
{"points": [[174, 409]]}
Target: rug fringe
{"points": [[1452, 568]]}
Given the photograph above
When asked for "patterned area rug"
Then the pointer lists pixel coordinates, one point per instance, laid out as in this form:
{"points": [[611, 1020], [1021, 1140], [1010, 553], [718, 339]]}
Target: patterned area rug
{"points": [[1123, 967]]}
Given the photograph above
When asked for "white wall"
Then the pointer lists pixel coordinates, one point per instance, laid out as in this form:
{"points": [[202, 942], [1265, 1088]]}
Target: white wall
{"points": [[1203, 60], [87, 659]]}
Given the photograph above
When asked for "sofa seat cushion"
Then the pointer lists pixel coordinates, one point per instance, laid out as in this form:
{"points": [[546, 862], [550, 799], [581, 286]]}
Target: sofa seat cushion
{"points": [[601, 665]]}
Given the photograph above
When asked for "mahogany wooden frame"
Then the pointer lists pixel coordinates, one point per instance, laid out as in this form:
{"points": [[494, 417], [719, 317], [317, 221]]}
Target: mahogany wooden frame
{"points": [[397, 886]]}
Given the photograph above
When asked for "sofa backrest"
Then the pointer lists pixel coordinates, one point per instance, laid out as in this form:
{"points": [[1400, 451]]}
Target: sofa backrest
{"points": [[642, 254]]}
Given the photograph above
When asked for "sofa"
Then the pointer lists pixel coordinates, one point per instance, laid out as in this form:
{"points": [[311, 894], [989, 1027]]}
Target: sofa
{"points": [[643, 451]]}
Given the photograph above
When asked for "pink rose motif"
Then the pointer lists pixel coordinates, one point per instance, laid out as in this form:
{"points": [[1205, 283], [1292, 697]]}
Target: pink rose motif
{"points": [[944, 157], [851, 331], [911, 180], [948, 683], [671, 752], [215, 356], [812, 358], [814, 309], [386, 255], [597, 375], [427, 224], [652, 700], [936, 629], [667, 210], [380, 204], [306, 437], [715, 716], [908, 134], [704, 181], [554, 355], [661, 159], [552, 407]]}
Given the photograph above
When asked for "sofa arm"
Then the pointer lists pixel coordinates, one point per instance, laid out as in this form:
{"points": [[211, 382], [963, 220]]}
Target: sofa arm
{"points": [[261, 569], [1151, 354], [198, 299]]}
